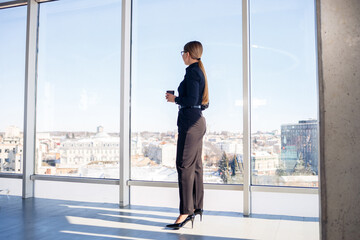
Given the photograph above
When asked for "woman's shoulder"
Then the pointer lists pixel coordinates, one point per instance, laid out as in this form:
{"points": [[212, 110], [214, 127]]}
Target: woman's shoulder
{"points": [[194, 73]]}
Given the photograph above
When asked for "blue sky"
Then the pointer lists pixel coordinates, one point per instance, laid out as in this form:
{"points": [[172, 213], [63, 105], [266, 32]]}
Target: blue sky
{"points": [[12, 64], [79, 63]]}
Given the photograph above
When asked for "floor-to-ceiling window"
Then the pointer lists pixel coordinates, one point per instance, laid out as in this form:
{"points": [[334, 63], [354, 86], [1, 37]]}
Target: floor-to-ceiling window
{"points": [[160, 29], [78, 88], [12, 81], [12, 75], [284, 126]]}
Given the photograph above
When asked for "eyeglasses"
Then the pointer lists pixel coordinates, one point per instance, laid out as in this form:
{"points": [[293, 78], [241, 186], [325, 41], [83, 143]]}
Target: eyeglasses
{"points": [[182, 52]]}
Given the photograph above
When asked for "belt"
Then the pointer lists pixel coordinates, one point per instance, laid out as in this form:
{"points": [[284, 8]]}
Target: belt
{"points": [[196, 106]]}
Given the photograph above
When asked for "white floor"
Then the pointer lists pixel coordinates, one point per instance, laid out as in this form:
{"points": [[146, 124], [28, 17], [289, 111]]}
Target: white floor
{"points": [[39, 218], [90, 211], [212, 226]]}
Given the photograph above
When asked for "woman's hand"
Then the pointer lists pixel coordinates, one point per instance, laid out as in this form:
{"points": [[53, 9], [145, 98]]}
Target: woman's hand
{"points": [[170, 98]]}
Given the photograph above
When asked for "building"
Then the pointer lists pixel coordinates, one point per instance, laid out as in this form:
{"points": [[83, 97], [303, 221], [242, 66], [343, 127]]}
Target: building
{"points": [[230, 146], [264, 163], [11, 148], [168, 154], [162, 153], [68, 154], [299, 143], [100, 147]]}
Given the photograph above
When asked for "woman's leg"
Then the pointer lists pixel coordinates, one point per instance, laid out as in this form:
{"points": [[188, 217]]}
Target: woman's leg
{"points": [[188, 155], [198, 191], [185, 173]]}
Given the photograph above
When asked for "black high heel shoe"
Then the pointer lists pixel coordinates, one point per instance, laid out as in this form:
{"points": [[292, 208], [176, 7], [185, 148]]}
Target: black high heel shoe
{"points": [[180, 225], [197, 212]]}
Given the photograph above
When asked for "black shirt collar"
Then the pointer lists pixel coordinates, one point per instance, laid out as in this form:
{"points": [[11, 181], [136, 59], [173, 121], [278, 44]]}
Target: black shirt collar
{"points": [[195, 64]]}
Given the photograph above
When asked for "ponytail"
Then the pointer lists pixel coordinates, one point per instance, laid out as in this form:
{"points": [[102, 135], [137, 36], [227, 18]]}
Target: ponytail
{"points": [[195, 50], [205, 98]]}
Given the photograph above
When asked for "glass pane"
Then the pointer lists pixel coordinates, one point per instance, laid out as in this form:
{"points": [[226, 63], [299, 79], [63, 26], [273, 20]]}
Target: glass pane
{"points": [[157, 66], [12, 75], [78, 88], [284, 93]]}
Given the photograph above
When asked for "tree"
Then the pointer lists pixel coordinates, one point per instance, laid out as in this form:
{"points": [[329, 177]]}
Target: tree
{"points": [[223, 167], [301, 168]]}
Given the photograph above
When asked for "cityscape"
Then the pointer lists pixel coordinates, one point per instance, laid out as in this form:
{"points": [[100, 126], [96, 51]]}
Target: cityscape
{"points": [[285, 157]]}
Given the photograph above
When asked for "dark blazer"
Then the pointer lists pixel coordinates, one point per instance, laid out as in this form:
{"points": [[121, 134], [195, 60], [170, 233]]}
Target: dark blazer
{"points": [[190, 90]]}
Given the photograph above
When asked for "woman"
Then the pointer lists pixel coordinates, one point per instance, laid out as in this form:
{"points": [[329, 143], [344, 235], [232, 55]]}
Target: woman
{"points": [[193, 98]]}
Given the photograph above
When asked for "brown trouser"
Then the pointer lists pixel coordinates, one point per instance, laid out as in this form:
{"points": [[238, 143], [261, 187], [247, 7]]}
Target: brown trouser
{"points": [[189, 167]]}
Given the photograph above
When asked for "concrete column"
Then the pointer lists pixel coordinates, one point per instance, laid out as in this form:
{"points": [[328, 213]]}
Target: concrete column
{"points": [[339, 91]]}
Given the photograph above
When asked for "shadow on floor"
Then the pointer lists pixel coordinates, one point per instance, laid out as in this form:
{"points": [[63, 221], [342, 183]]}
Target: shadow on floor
{"points": [[38, 218], [231, 214]]}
